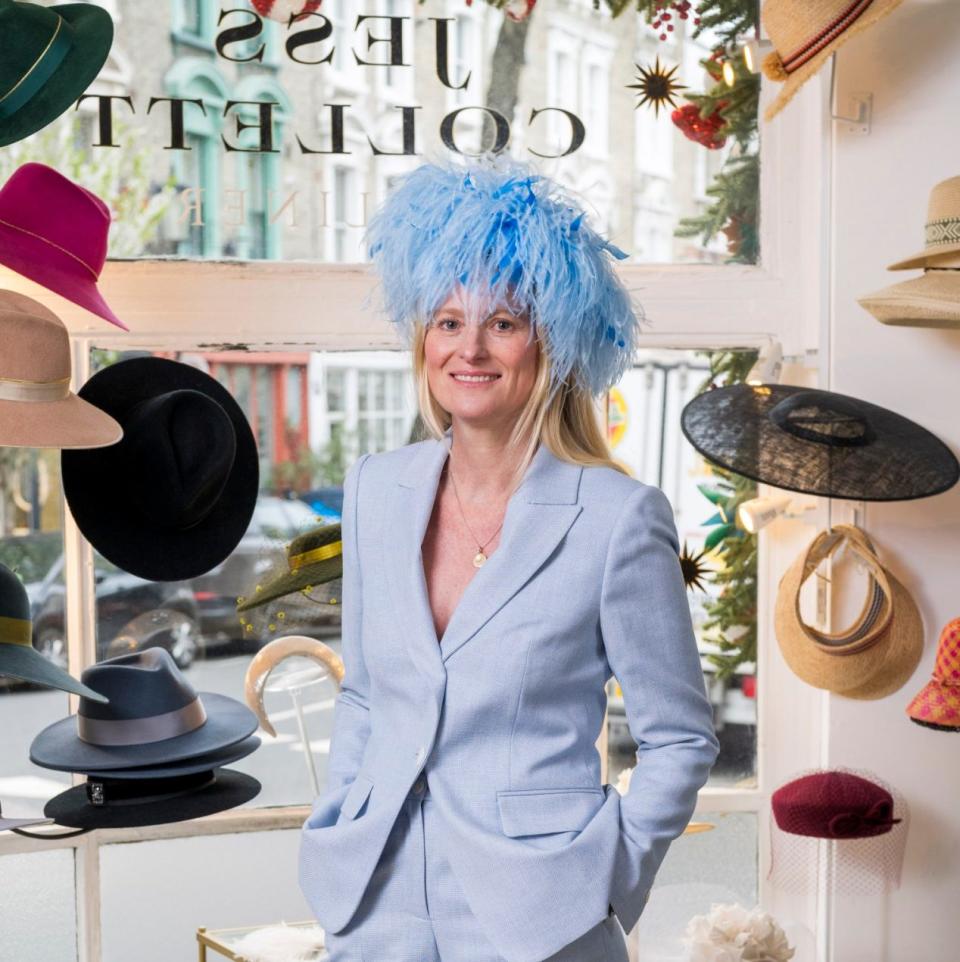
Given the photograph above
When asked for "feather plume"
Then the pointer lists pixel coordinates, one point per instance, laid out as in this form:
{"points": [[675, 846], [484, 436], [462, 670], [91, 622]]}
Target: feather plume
{"points": [[499, 229]]}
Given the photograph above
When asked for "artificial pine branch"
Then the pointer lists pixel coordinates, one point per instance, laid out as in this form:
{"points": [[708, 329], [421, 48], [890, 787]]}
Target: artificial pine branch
{"points": [[735, 190], [731, 622]]}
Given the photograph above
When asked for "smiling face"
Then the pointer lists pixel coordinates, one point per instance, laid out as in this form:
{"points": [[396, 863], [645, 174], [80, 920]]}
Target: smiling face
{"points": [[480, 360]]}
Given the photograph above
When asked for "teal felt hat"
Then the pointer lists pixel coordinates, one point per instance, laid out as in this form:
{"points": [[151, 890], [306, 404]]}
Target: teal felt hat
{"points": [[18, 657], [48, 58]]}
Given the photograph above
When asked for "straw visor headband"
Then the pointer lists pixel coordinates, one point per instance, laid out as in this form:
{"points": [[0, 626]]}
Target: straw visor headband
{"points": [[506, 233]]}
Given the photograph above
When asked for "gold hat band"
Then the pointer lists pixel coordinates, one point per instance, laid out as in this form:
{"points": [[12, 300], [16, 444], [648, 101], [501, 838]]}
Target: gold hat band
{"points": [[54, 244], [298, 561], [12, 389], [15, 631]]}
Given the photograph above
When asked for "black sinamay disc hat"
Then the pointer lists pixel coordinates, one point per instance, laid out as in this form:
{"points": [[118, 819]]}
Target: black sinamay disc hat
{"points": [[173, 498], [154, 717], [112, 803], [818, 442]]}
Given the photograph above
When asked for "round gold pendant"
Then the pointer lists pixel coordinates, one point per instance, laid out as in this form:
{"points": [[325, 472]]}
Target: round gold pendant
{"points": [[478, 559]]}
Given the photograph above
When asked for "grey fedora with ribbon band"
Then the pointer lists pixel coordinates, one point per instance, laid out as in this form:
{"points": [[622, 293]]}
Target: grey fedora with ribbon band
{"points": [[37, 407], [155, 717], [48, 58]]}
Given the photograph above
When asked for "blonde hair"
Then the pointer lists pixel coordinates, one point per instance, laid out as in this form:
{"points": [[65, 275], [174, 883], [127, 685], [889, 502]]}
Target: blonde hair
{"points": [[566, 423]]}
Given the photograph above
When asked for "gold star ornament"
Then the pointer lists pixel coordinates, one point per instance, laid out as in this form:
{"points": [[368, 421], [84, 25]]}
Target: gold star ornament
{"points": [[657, 86]]}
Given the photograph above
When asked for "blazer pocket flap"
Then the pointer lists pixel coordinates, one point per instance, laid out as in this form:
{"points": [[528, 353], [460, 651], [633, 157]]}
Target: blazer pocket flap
{"points": [[550, 810], [356, 796]]}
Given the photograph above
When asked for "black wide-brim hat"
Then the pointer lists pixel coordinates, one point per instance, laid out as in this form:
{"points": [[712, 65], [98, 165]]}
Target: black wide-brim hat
{"points": [[818, 442], [60, 747], [45, 64], [172, 499], [160, 801]]}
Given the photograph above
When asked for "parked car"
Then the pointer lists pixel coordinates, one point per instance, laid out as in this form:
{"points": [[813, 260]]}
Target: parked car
{"points": [[275, 522], [325, 502], [132, 614]]}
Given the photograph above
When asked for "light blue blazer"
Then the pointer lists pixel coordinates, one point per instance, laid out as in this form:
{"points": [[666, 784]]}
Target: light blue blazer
{"points": [[504, 712]]}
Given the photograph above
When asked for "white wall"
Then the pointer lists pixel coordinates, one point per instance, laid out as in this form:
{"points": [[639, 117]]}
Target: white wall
{"points": [[881, 182]]}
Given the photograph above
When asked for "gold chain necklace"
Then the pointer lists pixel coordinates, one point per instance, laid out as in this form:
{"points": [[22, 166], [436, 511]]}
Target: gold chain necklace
{"points": [[479, 559]]}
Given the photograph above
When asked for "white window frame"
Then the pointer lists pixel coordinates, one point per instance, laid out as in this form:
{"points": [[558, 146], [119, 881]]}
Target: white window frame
{"points": [[202, 305]]}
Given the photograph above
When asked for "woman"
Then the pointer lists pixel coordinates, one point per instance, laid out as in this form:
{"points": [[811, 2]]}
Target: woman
{"points": [[495, 576]]}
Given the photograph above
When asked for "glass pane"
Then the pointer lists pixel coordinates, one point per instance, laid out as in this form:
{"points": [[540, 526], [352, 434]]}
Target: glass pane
{"points": [[38, 918], [220, 882], [269, 140], [644, 433], [31, 545], [718, 865], [301, 486]]}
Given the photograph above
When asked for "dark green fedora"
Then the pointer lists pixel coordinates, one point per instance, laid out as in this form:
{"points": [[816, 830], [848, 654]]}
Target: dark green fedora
{"points": [[18, 658], [313, 558], [48, 58]]}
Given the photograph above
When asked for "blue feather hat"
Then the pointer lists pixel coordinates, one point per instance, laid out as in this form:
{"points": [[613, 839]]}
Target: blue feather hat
{"points": [[501, 230]]}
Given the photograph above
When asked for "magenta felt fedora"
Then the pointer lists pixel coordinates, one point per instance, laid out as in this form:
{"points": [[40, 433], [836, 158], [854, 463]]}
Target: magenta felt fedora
{"points": [[55, 232]]}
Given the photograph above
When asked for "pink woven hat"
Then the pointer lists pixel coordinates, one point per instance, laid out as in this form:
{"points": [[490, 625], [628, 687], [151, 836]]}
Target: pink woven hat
{"points": [[55, 232], [937, 704]]}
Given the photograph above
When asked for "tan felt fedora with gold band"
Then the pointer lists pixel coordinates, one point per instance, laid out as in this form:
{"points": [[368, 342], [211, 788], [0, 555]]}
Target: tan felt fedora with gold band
{"points": [[805, 33], [37, 407], [942, 229], [878, 653]]}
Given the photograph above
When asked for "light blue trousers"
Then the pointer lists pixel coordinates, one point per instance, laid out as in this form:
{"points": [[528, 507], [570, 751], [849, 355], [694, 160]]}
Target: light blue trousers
{"points": [[414, 910]]}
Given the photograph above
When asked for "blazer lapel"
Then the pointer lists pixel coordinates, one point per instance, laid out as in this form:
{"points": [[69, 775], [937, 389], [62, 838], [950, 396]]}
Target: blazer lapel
{"points": [[538, 515]]}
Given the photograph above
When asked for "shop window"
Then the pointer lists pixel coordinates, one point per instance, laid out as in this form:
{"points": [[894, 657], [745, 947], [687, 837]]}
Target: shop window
{"points": [[578, 58], [192, 19]]}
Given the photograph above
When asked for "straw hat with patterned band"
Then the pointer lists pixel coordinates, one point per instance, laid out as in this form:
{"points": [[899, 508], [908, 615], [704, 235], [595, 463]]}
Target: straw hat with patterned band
{"points": [[942, 228], [805, 34], [872, 658], [37, 407], [937, 704], [932, 300], [48, 58], [313, 558]]}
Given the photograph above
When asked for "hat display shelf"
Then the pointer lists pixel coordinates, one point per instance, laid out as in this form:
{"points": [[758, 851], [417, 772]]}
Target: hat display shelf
{"points": [[293, 665]]}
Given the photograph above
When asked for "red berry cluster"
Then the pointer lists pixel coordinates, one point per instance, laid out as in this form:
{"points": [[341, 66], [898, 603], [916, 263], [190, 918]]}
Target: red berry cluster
{"points": [[663, 20]]}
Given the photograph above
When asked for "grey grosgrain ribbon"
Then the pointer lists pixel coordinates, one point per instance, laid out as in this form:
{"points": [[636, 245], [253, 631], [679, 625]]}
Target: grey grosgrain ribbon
{"points": [[39, 73], [141, 731]]}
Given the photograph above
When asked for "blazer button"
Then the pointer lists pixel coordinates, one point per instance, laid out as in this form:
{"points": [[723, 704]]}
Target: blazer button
{"points": [[418, 786]]}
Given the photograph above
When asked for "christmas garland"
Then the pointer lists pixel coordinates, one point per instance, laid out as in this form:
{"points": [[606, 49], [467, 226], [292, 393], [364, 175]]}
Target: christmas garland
{"points": [[710, 119], [722, 113], [731, 621]]}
